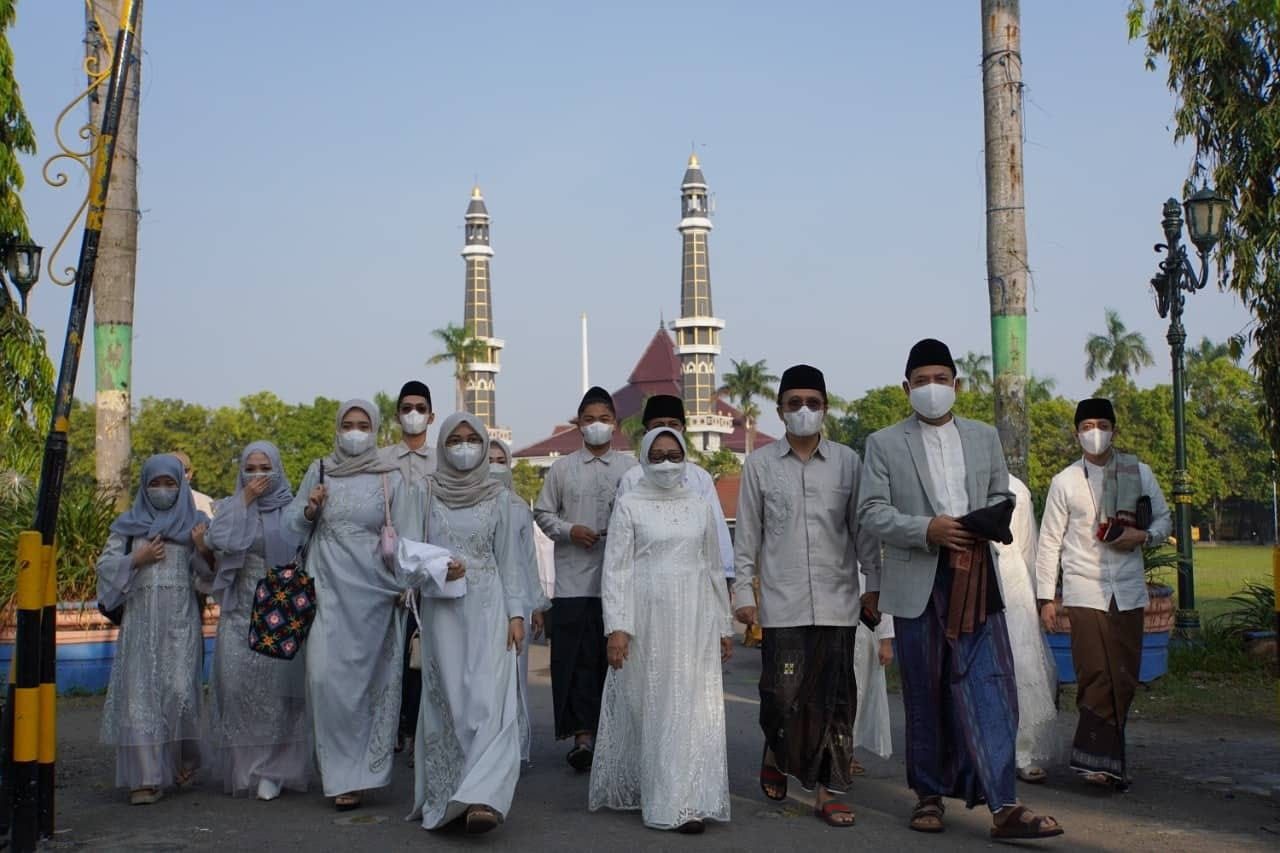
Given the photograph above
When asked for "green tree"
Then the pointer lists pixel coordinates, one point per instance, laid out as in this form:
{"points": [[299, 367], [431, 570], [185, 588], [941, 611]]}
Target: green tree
{"points": [[745, 382], [875, 410], [389, 428], [1116, 352], [1040, 388], [975, 369], [723, 461], [461, 347], [527, 480], [1223, 59]]}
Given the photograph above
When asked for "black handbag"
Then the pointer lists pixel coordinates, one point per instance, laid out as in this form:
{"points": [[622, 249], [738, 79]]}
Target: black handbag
{"points": [[284, 604]]}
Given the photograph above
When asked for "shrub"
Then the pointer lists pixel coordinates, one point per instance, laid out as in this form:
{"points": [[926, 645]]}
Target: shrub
{"points": [[1253, 609], [84, 521]]}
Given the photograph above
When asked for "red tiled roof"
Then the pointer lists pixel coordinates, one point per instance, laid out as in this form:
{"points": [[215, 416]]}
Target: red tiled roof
{"points": [[657, 372], [727, 490]]}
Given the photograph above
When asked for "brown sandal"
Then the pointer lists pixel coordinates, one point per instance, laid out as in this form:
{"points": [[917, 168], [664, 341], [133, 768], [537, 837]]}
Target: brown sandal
{"points": [[1023, 823], [927, 815], [481, 819], [827, 814], [346, 802]]}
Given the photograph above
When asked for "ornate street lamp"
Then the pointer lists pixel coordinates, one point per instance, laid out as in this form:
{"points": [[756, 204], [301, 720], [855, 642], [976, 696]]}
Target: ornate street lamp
{"points": [[22, 264], [1206, 215]]}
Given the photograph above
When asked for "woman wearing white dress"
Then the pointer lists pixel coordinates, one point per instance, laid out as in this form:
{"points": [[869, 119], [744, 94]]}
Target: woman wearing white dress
{"points": [[356, 643], [467, 750], [872, 652], [661, 744], [152, 712], [1033, 666], [258, 727]]}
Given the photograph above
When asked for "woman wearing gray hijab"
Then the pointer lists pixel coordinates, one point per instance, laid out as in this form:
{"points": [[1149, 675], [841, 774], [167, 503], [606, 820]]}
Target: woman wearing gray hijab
{"points": [[258, 727], [467, 748], [661, 746], [152, 712], [536, 601], [355, 644]]}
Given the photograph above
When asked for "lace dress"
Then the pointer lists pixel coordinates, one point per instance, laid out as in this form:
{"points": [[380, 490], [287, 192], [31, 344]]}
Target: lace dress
{"points": [[258, 726], [661, 744], [467, 748], [152, 712], [356, 643]]}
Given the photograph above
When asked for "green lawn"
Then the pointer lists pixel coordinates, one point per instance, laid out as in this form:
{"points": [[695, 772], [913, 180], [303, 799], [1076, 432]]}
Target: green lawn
{"points": [[1221, 570]]}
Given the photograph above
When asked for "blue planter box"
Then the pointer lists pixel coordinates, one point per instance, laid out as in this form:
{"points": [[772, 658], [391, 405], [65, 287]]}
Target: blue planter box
{"points": [[86, 667], [1155, 656]]}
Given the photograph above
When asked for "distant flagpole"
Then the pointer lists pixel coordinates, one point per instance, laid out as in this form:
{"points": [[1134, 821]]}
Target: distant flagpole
{"points": [[585, 384]]}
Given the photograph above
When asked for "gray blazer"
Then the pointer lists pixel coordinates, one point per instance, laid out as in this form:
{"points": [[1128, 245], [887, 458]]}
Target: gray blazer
{"points": [[896, 502]]}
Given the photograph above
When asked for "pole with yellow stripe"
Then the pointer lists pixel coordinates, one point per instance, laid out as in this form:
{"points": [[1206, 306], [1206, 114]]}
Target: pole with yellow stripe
{"points": [[25, 800], [48, 746]]}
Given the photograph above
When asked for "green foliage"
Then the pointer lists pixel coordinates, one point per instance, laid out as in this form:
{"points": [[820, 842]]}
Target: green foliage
{"points": [[974, 369], [1223, 59], [16, 137], [742, 385], [1251, 609], [84, 520], [527, 480], [875, 410], [1116, 352], [723, 461], [27, 379], [462, 347]]}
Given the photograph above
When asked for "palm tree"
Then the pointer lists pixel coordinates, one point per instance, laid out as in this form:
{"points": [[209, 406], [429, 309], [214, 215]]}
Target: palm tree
{"points": [[461, 347], [745, 382], [1208, 351], [975, 369], [1040, 388], [1117, 352], [387, 413]]}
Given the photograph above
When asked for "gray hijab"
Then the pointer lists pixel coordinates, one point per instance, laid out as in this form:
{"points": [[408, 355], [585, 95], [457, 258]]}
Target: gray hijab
{"points": [[142, 520], [343, 464], [504, 477], [458, 489]]}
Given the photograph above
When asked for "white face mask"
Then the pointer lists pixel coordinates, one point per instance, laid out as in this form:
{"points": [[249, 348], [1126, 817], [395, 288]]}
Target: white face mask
{"points": [[667, 474], [597, 433], [1095, 441], [253, 475], [464, 456], [162, 497], [804, 422], [497, 469], [355, 441], [413, 423], [933, 400]]}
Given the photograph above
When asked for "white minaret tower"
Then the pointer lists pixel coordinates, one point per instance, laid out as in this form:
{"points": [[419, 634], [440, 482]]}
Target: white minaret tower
{"points": [[480, 391], [698, 330]]}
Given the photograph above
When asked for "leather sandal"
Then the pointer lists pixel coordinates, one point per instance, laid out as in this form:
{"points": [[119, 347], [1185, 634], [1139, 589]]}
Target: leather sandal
{"points": [[827, 814], [927, 815], [1023, 823], [481, 819]]}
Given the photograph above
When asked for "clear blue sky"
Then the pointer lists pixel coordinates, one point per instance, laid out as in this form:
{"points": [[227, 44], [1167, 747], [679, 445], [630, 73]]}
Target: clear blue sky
{"points": [[305, 168]]}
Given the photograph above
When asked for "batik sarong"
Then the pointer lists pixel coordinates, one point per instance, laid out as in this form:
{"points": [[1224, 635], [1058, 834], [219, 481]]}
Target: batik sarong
{"points": [[1107, 649]]}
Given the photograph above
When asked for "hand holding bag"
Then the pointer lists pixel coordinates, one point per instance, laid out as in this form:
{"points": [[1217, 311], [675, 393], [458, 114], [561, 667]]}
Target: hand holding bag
{"points": [[284, 604]]}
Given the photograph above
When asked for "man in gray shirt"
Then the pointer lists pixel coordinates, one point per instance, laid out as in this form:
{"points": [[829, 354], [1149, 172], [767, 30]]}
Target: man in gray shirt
{"points": [[797, 531], [573, 510]]}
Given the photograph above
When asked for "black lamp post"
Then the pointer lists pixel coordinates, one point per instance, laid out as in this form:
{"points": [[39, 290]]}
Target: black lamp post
{"points": [[22, 264], [1206, 213]]}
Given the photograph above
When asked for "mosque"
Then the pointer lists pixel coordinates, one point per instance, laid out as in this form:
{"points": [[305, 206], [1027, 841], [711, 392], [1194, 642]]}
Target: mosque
{"points": [[683, 365]]}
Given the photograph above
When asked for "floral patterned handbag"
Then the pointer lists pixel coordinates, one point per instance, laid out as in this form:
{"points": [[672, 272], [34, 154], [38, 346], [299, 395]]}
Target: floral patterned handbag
{"points": [[284, 605]]}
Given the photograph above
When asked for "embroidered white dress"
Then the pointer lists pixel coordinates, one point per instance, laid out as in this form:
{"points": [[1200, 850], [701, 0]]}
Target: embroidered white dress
{"points": [[661, 744], [356, 643], [467, 748], [1033, 665]]}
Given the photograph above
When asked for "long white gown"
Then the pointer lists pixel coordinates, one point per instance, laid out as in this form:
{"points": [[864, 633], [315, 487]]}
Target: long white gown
{"points": [[535, 599], [258, 723], [467, 748], [1033, 666], [152, 712], [871, 727], [356, 643], [661, 744]]}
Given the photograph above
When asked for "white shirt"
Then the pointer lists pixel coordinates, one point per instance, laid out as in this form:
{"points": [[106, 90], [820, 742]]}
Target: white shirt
{"points": [[203, 502], [1093, 573], [698, 481], [946, 466]]}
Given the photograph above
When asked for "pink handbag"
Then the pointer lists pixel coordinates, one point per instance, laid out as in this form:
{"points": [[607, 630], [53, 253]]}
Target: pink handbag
{"points": [[387, 538]]}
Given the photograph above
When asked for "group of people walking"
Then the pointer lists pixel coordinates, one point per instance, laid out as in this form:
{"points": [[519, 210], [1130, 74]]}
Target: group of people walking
{"points": [[926, 548]]}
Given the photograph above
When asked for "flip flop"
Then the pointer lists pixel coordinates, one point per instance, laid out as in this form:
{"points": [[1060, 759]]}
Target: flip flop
{"points": [[827, 814], [1022, 823], [772, 777]]}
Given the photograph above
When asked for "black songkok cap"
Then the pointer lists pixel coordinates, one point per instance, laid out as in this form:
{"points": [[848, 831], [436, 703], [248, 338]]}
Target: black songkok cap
{"points": [[802, 376], [663, 406], [414, 388], [929, 351], [1094, 408], [596, 394]]}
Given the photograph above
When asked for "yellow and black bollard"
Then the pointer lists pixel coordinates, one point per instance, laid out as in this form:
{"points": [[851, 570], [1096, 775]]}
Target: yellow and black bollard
{"points": [[26, 689], [48, 746]]}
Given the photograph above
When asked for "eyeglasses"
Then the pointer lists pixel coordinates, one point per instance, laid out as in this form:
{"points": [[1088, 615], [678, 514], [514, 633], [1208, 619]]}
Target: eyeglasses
{"points": [[455, 440], [658, 456], [795, 404], [410, 407]]}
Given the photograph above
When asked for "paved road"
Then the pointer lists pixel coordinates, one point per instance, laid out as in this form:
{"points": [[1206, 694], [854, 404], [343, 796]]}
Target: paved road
{"points": [[1167, 810]]}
